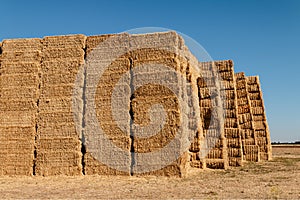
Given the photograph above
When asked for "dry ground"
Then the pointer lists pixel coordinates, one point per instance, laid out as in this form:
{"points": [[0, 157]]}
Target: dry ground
{"points": [[279, 178]]}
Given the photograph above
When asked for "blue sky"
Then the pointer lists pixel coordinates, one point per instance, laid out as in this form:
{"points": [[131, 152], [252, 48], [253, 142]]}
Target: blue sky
{"points": [[261, 37]]}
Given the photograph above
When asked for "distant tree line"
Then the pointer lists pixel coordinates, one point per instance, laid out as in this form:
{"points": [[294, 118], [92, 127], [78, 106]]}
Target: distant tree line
{"points": [[296, 142]]}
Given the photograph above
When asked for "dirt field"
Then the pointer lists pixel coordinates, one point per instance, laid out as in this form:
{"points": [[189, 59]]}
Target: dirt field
{"points": [[279, 178]]}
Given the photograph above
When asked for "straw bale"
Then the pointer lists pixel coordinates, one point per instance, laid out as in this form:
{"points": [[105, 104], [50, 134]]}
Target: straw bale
{"points": [[70, 65], [15, 67], [257, 111], [213, 142], [21, 56], [259, 125], [65, 53], [232, 133], [256, 103], [243, 109], [231, 123], [247, 133], [57, 143], [54, 130], [229, 104], [205, 93], [26, 93], [230, 113], [259, 118], [50, 170], [58, 104], [55, 91], [73, 41], [169, 40], [17, 118], [92, 42], [178, 168], [57, 79], [8, 105], [195, 144], [228, 85], [16, 132], [215, 153], [206, 82], [233, 142], [225, 65], [247, 125], [235, 161], [234, 152], [207, 103], [227, 75], [18, 81], [154, 90], [21, 44], [252, 153], [240, 84], [249, 141], [252, 80], [242, 101], [94, 166], [55, 118], [242, 93], [253, 88], [211, 133], [215, 163], [229, 94], [261, 133], [157, 142], [264, 156], [243, 118], [197, 164], [254, 96], [261, 141], [13, 170]]}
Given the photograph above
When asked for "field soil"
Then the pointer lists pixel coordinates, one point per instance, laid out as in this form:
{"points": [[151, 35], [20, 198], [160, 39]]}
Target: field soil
{"points": [[276, 179]]}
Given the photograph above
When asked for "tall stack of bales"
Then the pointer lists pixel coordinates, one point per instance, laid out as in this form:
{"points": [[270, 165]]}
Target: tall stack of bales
{"points": [[19, 84], [250, 147], [261, 129], [229, 100], [213, 145], [106, 64], [160, 78], [58, 142]]}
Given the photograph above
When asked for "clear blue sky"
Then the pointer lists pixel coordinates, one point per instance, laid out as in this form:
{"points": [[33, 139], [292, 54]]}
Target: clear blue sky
{"points": [[262, 37]]}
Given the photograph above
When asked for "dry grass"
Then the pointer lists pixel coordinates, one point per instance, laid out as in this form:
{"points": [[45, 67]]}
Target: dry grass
{"points": [[279, 178]]}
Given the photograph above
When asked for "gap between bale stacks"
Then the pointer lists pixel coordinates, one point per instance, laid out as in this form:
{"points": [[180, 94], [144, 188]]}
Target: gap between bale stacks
{"points": [[52, 144]]}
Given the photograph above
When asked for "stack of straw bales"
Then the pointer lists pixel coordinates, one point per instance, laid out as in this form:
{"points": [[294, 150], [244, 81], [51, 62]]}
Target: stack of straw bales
{"points": [[213, 144], [58, 142], [19, 87], [157, 79], [101, 56], [133, 95], [261, 129], [250, 147], [229, 100]]}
